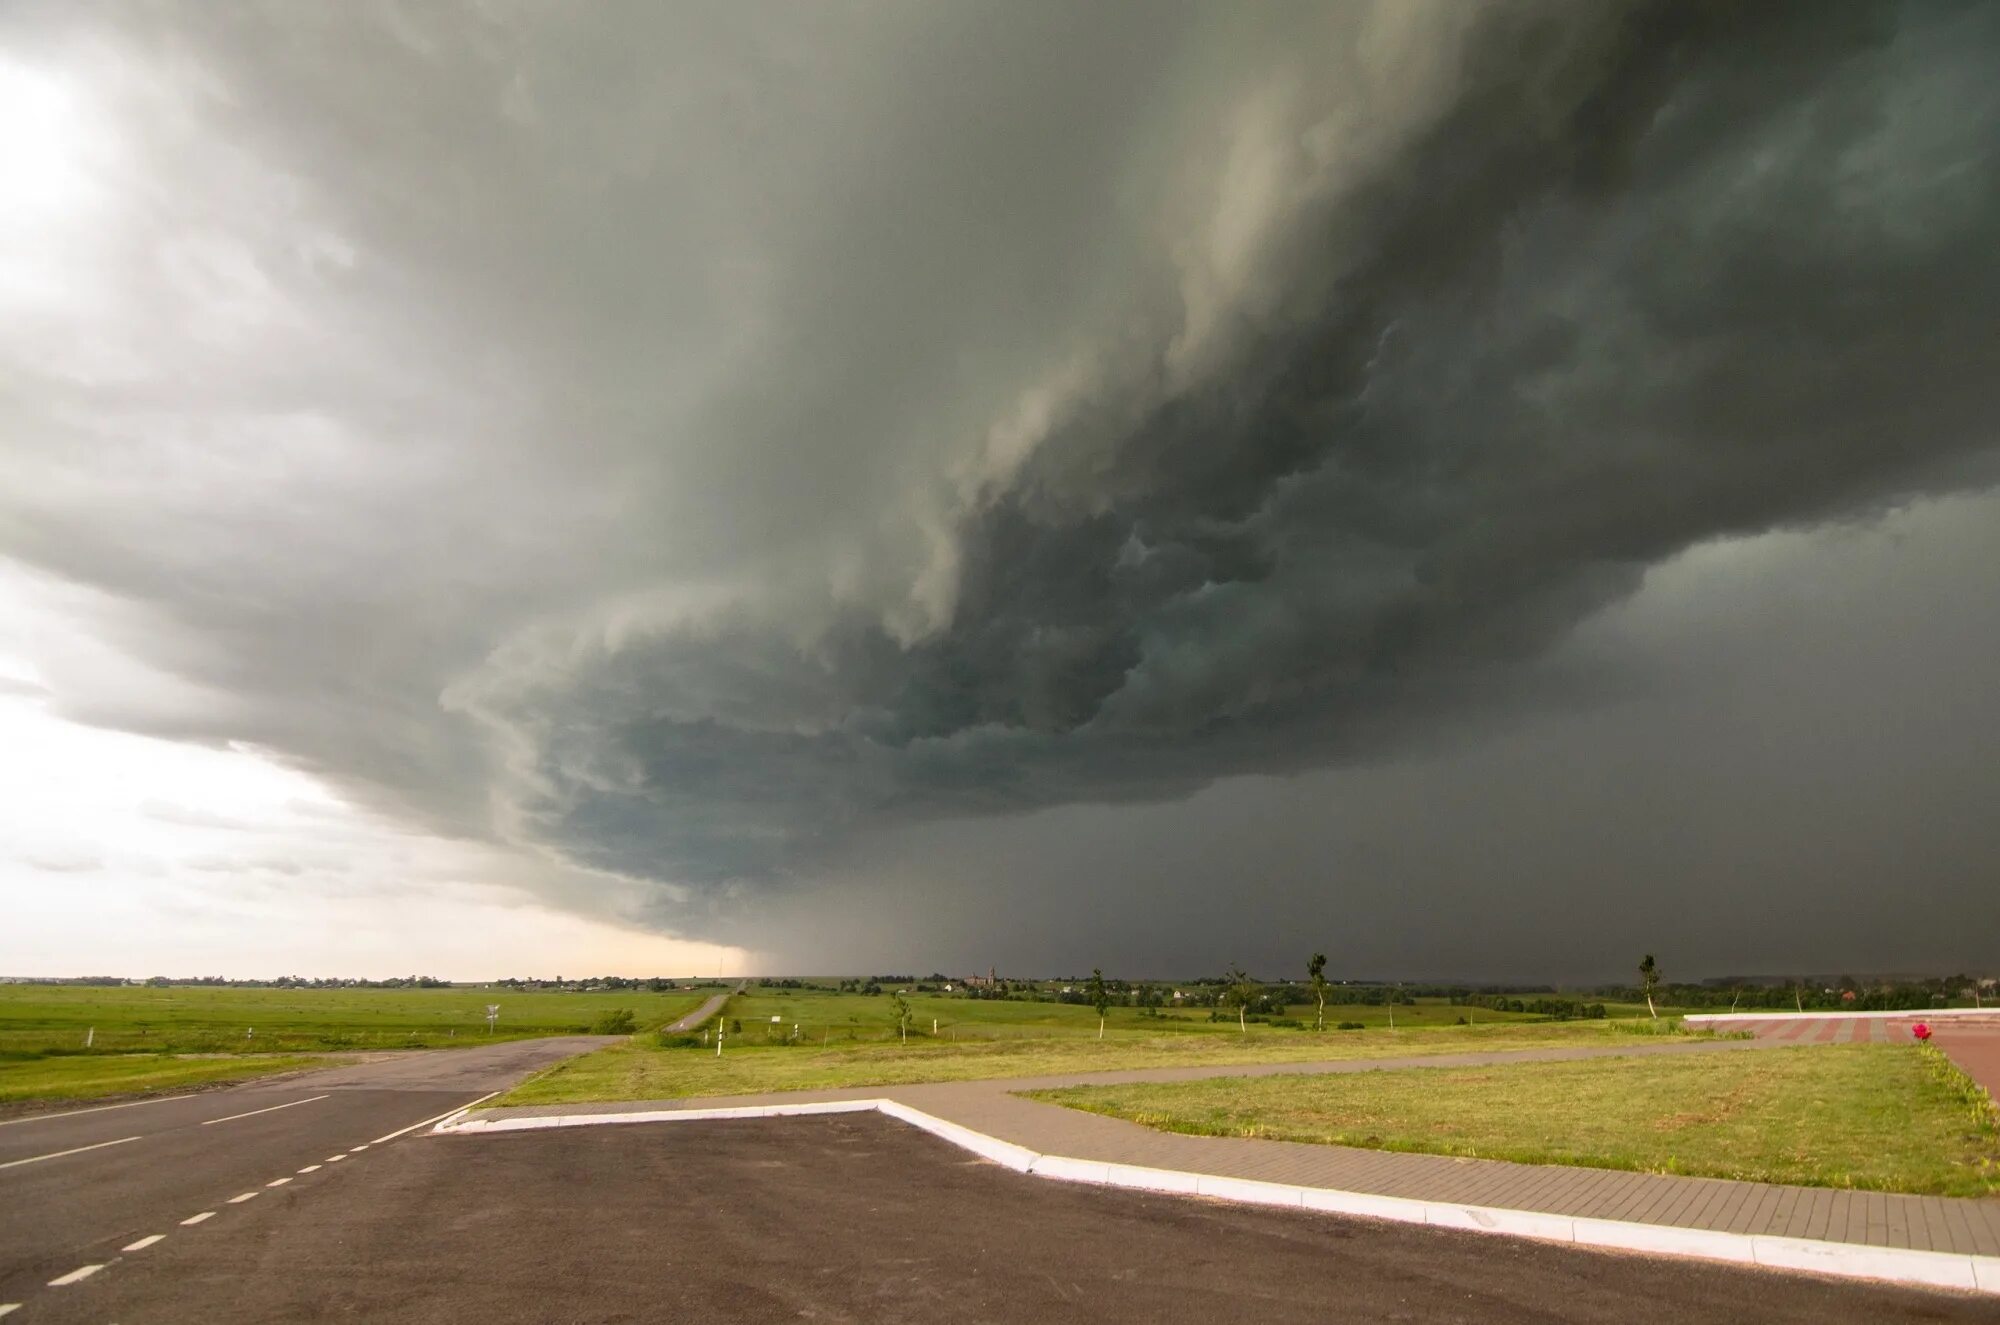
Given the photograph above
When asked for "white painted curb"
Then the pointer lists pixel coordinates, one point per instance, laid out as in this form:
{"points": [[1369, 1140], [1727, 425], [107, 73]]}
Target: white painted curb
{"points": [[656, 1116], [1935, 1269]]}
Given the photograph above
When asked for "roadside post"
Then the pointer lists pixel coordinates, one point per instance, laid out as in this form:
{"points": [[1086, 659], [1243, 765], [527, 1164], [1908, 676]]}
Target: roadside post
{"points": [[492, 1015]]}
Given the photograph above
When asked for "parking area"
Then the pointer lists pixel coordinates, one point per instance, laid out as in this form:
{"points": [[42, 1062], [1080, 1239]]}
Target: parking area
{"points": [[858, 1218]]}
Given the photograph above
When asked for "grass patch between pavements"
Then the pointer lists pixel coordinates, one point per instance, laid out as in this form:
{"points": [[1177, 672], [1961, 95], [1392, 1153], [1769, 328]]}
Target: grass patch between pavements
{"points": [[1877, 1117], [641, 1070], [95, 1076]]}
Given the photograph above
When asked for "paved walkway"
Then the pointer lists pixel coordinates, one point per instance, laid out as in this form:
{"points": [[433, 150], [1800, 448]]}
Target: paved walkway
{"points": [[1967, 1227], [1976, 1050]]}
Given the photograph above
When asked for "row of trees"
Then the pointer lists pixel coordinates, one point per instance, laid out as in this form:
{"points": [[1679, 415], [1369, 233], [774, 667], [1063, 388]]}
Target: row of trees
{"points": [[302, 982], [656, 984]]}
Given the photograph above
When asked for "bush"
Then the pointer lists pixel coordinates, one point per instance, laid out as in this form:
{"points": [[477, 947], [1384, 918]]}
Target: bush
{"points": [[618, 1022], [1350, 1026], [678, 1040]]}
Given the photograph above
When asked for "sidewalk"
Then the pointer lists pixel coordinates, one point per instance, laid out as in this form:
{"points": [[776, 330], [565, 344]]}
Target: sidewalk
{"points": [[1800, 1227], [1976, 1050]]}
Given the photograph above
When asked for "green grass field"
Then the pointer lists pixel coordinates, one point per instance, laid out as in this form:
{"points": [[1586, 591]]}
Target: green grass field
{"points": [[140, 1031], [847, 1040], [1866, 1116], [95, 1076], [825, 1017], [214, 1019]]}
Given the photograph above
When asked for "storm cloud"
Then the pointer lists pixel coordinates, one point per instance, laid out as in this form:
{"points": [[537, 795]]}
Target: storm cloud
{"points": [[692, 444]]}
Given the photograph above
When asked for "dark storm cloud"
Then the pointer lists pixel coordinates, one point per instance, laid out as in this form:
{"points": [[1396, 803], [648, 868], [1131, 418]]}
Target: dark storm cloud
{"points": [[694, 443], [1614, 302]]}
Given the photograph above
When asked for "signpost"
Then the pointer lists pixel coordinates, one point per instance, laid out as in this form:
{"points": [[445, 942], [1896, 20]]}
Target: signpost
{"points": [[492, 1015]]}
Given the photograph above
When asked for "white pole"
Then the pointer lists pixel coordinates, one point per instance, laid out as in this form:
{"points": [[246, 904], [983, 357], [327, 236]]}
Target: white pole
{"points": [[90, 1038], [718, 1040]]}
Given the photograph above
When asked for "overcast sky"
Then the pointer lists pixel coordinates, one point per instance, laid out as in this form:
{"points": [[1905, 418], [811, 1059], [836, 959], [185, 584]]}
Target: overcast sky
{"points": [[1480, 490]]}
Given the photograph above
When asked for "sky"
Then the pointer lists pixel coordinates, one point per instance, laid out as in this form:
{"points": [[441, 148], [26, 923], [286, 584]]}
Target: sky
{"points": [[1479, 490]]}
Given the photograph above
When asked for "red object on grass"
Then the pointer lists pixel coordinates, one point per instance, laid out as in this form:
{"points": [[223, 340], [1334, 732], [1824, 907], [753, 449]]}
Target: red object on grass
{"points": [[1921, 1031]]}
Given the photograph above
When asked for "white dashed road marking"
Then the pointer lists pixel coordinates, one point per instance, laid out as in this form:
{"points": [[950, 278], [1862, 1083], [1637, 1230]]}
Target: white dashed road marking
{"points": [[102, 1108], [58, 1154], [254, 1112], [84, 1272]]}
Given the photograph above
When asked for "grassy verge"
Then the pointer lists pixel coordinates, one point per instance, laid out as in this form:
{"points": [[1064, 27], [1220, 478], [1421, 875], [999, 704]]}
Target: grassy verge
{"points": [[1877, 1117], [824, 1017], [94, 1076], [184, 1019], [640, 1070]]}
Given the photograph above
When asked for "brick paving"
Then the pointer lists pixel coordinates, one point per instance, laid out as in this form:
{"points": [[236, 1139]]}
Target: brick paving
{"points": [[992, 1107], [1976, 1050]]}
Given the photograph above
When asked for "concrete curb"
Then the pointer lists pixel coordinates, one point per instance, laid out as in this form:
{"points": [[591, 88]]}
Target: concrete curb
{"points": [[1932, 1269]]}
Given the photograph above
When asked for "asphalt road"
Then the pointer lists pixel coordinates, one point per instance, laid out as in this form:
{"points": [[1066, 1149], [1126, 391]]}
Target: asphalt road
{"points": [[77, 1187], [858, 1219], [693, 1020]]}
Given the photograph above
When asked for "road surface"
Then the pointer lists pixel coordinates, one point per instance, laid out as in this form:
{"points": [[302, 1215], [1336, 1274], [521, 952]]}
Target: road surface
{"points": [[78, 1187], [693, 1020], [857, 1218]]}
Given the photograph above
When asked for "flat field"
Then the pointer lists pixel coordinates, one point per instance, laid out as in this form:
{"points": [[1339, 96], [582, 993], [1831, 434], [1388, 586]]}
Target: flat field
{"points": [[846, 1040], [826, 1017], [140, 1035], [1865, 1116], [219, 1019], [95, 1076]]}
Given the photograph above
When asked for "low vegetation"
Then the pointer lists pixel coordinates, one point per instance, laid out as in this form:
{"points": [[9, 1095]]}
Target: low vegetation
{"points": [[1879, 1117], [222, 1019], [80, 1042], [807, 1039], [96, 1076]]}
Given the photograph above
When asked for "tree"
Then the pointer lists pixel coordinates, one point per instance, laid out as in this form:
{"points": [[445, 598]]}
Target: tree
{"points": [[1316, 968], [1238, 991], [1100, 997], [1649, 980], [1394, 996], [900, 1006]]}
